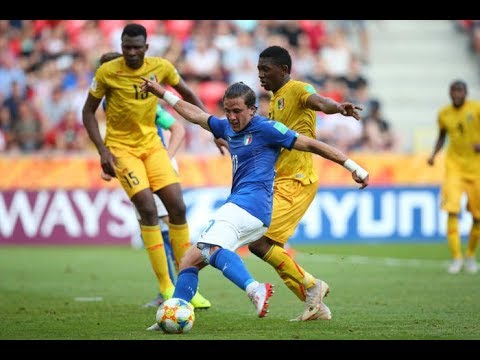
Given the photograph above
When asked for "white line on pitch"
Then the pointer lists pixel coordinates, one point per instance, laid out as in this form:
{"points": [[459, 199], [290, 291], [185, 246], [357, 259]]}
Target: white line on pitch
{"points": [[91, 298], [369, 260]]}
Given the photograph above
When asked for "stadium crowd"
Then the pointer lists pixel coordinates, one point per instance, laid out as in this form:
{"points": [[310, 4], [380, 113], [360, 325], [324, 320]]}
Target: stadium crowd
{"points": [[46, 67]]}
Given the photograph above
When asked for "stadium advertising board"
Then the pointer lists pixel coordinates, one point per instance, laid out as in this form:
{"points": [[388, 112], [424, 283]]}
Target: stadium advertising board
{"points": [[338, 214]]}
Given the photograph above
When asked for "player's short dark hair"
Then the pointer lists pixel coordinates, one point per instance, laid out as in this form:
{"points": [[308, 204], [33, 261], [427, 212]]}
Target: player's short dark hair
{"points": [[459, 83], [279, 55], [241, 90], [133, 30]]}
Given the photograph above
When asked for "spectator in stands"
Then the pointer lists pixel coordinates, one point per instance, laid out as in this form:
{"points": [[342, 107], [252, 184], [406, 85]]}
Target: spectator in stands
{"points": [[336, 54], [354, 78], [361, 28], [16, 97], [27, 129], [5, 128], [70, 135], [377, 133]]}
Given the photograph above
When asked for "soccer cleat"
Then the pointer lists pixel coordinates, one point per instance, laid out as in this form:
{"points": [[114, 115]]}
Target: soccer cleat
{"points": [[316, 293], [155, 302], [323, 313], [315, 309], [154, 327], [199, 302], [259, 297], [470, 265], [160, 298], [456, 266]]}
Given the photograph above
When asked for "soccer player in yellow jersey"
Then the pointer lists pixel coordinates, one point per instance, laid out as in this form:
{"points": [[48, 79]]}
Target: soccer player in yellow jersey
{"points": [[293, 103], [461, 122], [133, 152]]}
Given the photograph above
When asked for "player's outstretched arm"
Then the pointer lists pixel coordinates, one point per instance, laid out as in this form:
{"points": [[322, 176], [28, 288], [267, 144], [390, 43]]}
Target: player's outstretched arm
{"points": [[190, 112], [359, 174], [329, 106]]}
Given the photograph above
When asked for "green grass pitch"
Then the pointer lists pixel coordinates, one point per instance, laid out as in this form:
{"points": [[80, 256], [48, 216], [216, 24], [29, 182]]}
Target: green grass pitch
{"points": [[378, 291]]}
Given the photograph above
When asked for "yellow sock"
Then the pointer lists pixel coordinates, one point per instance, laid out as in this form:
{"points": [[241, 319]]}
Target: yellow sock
{"points": [[473, 239], [292, 274], [453, 237], [180, 240], [152, 238]]}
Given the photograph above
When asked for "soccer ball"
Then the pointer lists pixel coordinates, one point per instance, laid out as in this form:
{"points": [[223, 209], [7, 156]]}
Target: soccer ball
{"points": [[175, 316]]}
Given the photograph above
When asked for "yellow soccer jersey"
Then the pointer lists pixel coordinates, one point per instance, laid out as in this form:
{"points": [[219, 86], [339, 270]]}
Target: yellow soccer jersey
{"points": [[131, 113], [463, 129], [288, 105]]}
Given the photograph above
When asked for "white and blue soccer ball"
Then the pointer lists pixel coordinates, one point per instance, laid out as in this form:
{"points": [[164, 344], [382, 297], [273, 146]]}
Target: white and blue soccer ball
{"points": [[175, 316]]}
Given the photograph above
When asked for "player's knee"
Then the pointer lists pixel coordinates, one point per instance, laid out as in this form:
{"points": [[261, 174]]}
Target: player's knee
{"points": [[148, 215], [253, 247], [258, 248], [177, 213]]}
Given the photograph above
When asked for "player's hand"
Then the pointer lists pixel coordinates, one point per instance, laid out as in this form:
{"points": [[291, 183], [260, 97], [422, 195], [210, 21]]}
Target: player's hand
{"points": [[152, 86], [107, 161], [105, 177], [349, 109], [221, 145], [363, 181]]}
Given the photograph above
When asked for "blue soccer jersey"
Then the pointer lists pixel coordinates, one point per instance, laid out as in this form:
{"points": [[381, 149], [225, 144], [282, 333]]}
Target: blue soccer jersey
{"points": [[254, 151]]}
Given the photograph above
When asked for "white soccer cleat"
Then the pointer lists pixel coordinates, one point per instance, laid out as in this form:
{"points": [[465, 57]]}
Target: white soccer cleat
{"points": [[315, 309], [470, 265], [323, 313], [154, 327], [456, 266], [259, 297]]}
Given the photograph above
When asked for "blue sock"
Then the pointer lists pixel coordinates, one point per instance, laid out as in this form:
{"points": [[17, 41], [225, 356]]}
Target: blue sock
{"points": [[187, 283], [169, 253], [232, 267]]}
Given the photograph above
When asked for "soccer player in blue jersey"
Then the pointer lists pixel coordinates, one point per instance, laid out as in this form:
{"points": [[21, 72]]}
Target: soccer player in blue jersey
{"points": [[255, 143]]}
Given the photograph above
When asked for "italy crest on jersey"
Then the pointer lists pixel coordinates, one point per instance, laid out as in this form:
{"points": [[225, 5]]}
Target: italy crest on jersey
{"points": [[247, 139], [280, 103]]}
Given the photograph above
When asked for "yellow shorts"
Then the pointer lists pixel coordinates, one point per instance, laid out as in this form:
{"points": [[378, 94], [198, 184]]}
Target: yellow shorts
{"points": [[452, 191], [138, 170], [291, 200]]}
